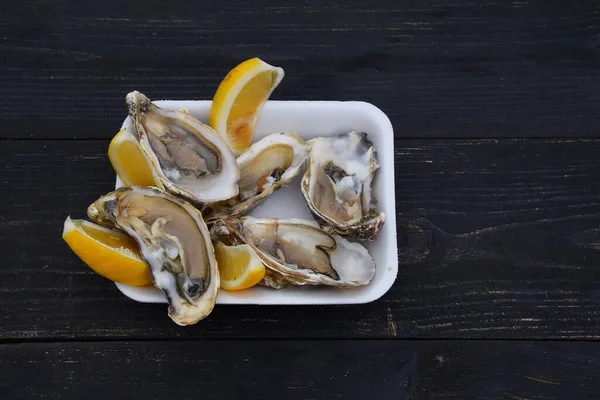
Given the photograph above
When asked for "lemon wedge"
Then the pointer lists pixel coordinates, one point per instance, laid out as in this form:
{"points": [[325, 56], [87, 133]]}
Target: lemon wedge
{"points": [[130, 162], [239, 266], [239, 100], [112, 254]]}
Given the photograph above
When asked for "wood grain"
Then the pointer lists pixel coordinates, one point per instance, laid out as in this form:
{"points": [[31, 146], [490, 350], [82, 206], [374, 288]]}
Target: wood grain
{"points": [[437, 68], [416, 370], [508, 370], [497, 239], [210, 370]]}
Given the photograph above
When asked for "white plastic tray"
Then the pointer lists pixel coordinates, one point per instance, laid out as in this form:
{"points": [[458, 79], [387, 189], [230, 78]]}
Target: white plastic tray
{"points": [[310, 119]]}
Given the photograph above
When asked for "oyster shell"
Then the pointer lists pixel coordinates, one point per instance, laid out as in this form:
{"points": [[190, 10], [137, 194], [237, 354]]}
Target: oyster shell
{"points": [[265, 167], [299, 252], [189, 157], [174, 241], [337, 185]]}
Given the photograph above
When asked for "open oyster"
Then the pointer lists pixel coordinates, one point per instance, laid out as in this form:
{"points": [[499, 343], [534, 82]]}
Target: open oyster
{"points": [[265, 167], [189, 157], [174, 241], [299, 252], [337, 185]]}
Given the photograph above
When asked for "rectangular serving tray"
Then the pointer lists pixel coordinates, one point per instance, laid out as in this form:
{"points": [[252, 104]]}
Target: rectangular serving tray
{"points": [[310, 119]]}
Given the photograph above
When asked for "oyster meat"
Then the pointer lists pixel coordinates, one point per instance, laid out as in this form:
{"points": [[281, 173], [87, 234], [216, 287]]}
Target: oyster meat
{"points": [[337, 185], [265, 167], [189, 157], [299, 252], [174, 241]]}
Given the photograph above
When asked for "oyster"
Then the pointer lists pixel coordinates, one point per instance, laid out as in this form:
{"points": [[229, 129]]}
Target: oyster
{"points": [[265, 167], [174, 241], [299, 252], [189, 157], [337, 185]]}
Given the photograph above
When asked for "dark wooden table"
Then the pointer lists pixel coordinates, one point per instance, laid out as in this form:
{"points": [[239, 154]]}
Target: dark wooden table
{"points": [[495, 106]]}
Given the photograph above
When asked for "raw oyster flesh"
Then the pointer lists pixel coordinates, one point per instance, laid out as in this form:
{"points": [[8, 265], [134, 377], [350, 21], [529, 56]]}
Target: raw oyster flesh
{"points": [[189, 157], [265, 167], [337, 185], [174, 241], [299, 252]]}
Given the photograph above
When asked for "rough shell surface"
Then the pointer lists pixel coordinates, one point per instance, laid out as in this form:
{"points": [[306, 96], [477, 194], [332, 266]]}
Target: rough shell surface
{"points": [[189, 157], [265, 167], [299, 252], [337, 185], [174, 241]]}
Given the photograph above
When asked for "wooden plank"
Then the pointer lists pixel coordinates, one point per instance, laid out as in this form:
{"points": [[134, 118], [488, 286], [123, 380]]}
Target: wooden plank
{"points": [[508, 370], [438, 69], [210, 370], [304, 369], [497, 239]]}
